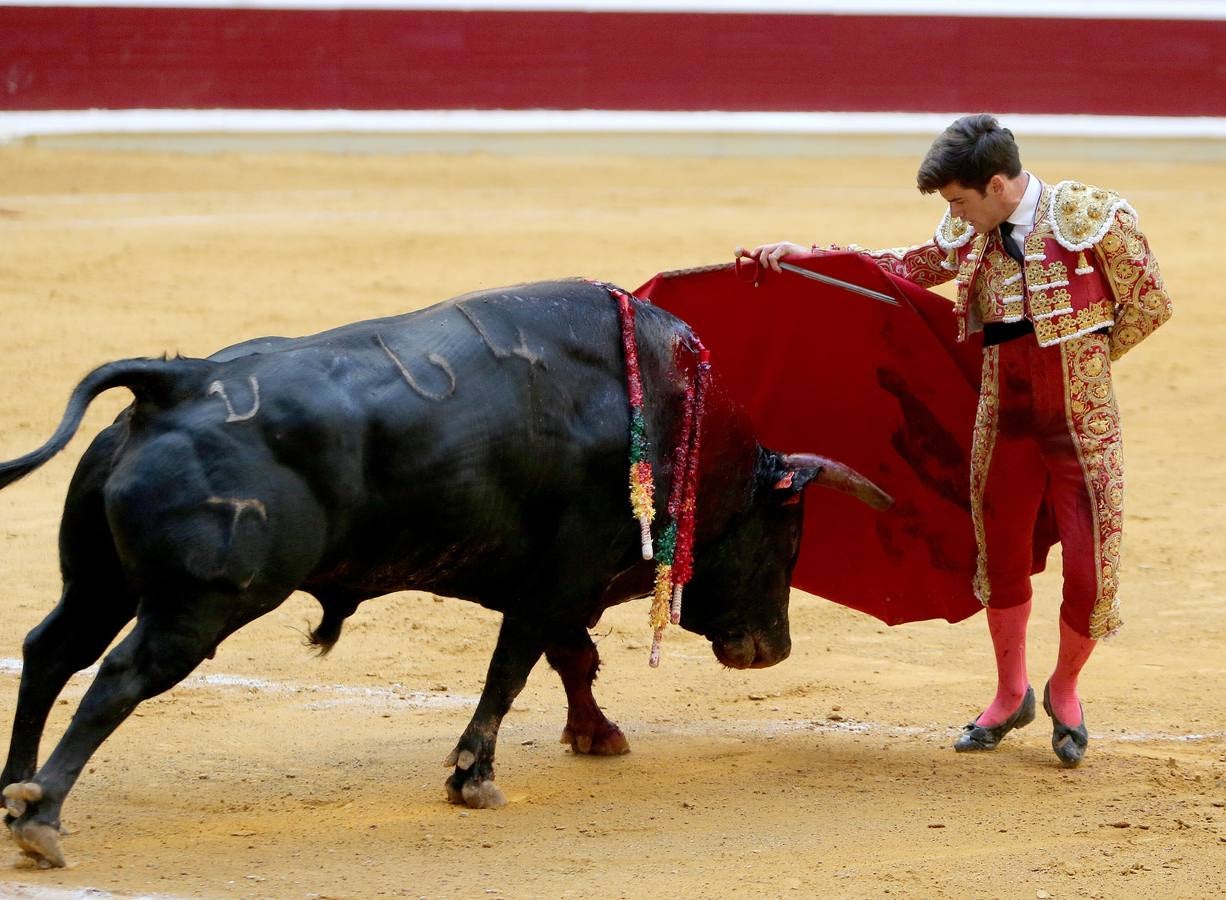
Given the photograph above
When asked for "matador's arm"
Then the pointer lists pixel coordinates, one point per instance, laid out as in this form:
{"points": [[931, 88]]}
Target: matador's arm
{"points": [[925, 264], [1131, 271]]}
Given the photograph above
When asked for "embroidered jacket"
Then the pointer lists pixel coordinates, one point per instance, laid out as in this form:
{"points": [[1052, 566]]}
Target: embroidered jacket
{"points": [[1087, 266]]}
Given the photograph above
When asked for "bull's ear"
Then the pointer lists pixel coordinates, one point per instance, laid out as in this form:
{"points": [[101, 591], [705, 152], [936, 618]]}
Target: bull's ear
{"points": [[789, 479]]}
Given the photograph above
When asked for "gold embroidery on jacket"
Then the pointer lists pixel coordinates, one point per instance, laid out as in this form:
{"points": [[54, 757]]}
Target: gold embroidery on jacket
{"points": [[923, 264], [1062, 328], [1045, 304], [967, 269], [1040, 277], [1141, 301], [1122, 288], [953, 232], [999, 298]]}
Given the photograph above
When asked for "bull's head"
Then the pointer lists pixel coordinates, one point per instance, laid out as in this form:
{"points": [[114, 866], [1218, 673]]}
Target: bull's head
{"points": [[738, 596]]}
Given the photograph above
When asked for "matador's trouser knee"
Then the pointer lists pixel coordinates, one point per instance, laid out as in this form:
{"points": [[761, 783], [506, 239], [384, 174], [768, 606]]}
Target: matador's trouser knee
{"points": [[1048, 418]]}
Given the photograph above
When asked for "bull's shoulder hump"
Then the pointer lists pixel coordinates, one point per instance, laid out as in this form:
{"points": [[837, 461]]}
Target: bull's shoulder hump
{"points": [[528, 297], [540, 307], [537, 294], [252, 347]]}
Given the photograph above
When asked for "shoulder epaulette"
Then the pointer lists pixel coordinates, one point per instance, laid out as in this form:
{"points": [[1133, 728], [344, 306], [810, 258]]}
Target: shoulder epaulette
{"points": [[1081, 214], [953, 232]]}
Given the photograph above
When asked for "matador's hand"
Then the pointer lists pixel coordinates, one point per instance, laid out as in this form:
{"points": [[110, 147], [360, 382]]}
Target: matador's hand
{"points": [[769, 255]]}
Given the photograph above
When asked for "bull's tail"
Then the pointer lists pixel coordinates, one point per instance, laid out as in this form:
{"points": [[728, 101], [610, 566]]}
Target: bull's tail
{"points": [[336, 610], [154, 380]]}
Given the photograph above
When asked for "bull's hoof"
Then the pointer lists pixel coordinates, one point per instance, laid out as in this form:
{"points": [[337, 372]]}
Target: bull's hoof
{"points": [[474, 794], [472, 784], [482, 795], [455, 793], [606, 742], [40, 842]]}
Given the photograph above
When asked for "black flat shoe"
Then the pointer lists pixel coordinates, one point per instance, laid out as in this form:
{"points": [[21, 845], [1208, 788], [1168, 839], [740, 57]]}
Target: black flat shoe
{"points": [[976, 737], [1069, 742]]}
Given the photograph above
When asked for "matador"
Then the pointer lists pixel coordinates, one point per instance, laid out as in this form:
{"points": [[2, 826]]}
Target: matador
{"points": [[1061, 282]]}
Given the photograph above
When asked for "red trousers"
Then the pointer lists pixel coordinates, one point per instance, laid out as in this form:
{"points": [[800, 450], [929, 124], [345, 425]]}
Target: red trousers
{"points": [[1048, 424]]}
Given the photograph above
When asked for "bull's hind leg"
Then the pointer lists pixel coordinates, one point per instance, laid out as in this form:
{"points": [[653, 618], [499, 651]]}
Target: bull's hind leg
{"points": [[472, 783], [71, 638], [97, 601], [165, 646], [576, 659]]}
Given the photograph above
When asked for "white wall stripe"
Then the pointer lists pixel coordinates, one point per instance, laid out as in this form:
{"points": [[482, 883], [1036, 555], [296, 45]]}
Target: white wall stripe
{"points": [[1059, 9], [14, 125]]}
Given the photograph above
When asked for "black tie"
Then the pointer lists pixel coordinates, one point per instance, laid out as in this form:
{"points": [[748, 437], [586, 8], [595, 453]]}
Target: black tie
{"points": [[1011, 247]]}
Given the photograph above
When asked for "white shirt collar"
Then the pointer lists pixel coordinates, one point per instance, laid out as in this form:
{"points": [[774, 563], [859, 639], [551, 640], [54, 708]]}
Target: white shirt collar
{"points": [[1026, 207]]}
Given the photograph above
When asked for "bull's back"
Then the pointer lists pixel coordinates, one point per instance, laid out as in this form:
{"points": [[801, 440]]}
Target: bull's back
{"points": [[468, 436]]}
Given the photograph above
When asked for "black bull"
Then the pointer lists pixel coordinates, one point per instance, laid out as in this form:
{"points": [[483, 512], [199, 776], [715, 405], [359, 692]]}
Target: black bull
{"points": [[477, 449]]}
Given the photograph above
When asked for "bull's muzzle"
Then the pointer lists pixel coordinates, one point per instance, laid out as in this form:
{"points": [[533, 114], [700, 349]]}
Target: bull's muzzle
{"points": [[748, 651]]}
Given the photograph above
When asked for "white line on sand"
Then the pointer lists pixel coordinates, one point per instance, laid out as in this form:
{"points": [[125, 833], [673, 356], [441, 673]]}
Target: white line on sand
{"points": [[11, 890], [393, 694], [320, 696]]}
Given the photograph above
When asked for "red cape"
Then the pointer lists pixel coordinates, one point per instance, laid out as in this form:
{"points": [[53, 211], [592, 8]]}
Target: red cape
{"points": [[884, 389]]}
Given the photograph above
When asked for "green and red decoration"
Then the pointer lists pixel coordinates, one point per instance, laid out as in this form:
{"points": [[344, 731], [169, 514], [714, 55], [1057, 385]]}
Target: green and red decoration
{"points": [[674, 549], [642, 485]]}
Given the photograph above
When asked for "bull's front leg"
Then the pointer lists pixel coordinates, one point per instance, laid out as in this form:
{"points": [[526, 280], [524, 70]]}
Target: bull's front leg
{"points": [[588, 730], [472, 783]]}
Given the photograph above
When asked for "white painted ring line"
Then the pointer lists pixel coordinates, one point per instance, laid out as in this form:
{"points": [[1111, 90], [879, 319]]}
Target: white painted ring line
{"points": [[395, 695]]}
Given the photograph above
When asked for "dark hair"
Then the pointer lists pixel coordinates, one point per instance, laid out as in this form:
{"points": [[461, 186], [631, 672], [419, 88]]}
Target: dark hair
{"points": [[970, 151]]}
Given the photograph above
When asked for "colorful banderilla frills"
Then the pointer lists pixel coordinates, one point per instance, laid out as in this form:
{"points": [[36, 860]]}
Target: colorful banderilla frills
{"points": [[675, 560], [642, 487], [674, 552]]}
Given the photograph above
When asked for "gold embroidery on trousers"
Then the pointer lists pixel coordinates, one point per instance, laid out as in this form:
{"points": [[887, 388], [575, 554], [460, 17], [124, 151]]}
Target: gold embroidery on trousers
{"points": [[982, 443], [1094, 426]]}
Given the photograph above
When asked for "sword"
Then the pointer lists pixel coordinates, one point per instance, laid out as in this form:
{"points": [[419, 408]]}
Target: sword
{"points": [[845, 285]]}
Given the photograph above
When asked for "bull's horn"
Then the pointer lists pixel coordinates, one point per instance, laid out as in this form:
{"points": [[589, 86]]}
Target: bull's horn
{"points": [[841, 478]]}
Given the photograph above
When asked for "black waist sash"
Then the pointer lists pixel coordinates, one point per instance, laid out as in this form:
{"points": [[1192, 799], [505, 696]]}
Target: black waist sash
{"points": [[999, 332]]}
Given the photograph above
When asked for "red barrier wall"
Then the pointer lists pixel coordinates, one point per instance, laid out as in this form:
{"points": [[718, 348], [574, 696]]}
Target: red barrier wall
{"points": [[80, 58]]}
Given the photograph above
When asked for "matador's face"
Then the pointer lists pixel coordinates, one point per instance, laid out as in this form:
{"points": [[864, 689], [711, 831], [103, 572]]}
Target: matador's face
{"points": [[984, 209]]}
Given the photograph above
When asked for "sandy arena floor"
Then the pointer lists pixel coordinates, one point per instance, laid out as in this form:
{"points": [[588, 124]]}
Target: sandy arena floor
{"points": [[273, 774]]}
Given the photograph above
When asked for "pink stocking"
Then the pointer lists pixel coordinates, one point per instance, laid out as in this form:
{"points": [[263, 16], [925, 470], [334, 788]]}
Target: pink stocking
{"points": [[1008, 630], [1075, 649]]}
